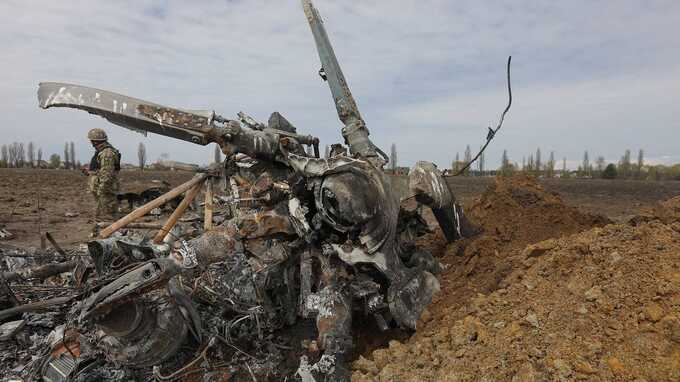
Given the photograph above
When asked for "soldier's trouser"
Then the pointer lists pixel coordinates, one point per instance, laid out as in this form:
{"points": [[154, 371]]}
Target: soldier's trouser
{"points": [[105, 198], [107, 204]]}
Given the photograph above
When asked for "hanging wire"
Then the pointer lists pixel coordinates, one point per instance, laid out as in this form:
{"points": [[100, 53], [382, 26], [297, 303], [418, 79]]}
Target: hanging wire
{"points": [[492, 132]]}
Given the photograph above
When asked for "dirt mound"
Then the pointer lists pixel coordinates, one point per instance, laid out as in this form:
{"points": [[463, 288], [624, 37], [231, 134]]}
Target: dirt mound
{"points": [[512, 212], [600, 305], [518, 211], [667, 212]]}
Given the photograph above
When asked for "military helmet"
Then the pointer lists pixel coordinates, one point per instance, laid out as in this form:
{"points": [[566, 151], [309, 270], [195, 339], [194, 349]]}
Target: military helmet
{"points": [[97, 135]]}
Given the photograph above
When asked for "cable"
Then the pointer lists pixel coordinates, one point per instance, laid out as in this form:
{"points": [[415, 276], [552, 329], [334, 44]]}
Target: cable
{"points": [[492, 132]]}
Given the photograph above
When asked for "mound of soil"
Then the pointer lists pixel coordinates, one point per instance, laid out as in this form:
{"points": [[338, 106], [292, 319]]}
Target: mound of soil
{"points": [[667, 212], [599, 305], [518, 210], [512, 212]]}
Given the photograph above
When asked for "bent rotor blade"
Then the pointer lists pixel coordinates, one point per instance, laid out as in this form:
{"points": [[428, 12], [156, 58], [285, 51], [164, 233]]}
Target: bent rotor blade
{"points": [[355, 132], [344, 101], [131, 113]]}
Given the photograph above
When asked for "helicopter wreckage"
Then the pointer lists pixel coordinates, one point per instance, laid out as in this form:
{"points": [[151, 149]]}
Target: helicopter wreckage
{"points": [[305, 245]]}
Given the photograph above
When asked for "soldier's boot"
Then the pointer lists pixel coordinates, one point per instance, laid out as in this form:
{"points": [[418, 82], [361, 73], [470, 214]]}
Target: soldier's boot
{"points": [[429, 187]]}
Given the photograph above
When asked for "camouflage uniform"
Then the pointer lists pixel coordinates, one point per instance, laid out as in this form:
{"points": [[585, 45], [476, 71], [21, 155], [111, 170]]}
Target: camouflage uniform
{"points": [[103, 181]]}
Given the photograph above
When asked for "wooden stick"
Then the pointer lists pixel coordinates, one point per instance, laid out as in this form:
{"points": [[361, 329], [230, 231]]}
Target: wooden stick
{"points": [[145, 209], [42, 238], [54, 244], [208, 219], [136, 225], [41, 272], [179, 211]]}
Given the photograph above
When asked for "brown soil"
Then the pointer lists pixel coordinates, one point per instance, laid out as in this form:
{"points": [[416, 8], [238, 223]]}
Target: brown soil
{"points": [[617, 199], [61, 193], [547, 293]]}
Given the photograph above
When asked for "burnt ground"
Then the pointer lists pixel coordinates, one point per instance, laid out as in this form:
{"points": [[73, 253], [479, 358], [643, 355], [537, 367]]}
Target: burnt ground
{"points": [[63, 192]]}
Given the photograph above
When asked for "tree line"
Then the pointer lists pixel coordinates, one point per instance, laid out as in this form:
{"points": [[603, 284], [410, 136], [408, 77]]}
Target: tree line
{"points": [[625, 168], [20, 155]]}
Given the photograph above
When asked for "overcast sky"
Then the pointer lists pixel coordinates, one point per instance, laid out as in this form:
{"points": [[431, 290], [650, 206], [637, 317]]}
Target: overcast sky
{"points": [[428, 75]]}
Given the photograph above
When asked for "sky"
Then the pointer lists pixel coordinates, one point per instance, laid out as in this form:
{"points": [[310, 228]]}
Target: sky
{"points": [[428, 75]]}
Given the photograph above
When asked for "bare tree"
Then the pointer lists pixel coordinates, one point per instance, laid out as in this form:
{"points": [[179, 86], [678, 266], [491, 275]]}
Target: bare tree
{"points": [[624, 169], [218, 154], [31, 154], [481, 163], [456, 164], [640, 163], [550, 166], [586, 164], [21, 155], [67, 160], [12, 155], [538, 163], [39, 156], [4, 156], [72, 155], [530, 163], [506, 166], [393, 158], [141, 156], [468, 158], [600, 163]]}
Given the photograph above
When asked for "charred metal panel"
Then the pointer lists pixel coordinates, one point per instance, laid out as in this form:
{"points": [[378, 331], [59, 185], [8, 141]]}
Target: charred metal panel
{"points": [[429, 187], [128, 112]]}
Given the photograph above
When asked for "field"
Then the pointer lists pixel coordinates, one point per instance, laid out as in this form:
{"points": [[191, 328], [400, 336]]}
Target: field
{"points": [[64, 193], [574, 279], [66, 206]]}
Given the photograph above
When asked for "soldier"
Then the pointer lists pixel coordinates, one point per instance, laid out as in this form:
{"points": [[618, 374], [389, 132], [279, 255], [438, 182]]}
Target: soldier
{"points": [[103, 174]]}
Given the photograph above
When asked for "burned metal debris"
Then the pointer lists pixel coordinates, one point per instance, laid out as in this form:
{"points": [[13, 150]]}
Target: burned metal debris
{"points": [[289, 253]]}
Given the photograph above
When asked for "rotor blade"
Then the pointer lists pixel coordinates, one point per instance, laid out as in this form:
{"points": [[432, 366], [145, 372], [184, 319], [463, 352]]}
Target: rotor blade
{"points": [[344, 101], [355, 132], [131, 113]]}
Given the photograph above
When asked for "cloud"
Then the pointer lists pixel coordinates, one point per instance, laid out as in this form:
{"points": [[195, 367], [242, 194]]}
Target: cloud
{"points": [[428, 75]]}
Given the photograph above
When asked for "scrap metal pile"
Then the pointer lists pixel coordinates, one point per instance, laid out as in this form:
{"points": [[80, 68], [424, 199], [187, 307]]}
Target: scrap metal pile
{"points": [[306, 245]]}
